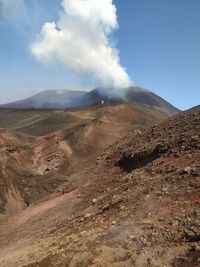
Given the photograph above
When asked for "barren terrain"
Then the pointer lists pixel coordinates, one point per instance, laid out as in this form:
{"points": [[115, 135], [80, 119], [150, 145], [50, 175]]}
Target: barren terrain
{"points": [[137, 204], [40, 150]]}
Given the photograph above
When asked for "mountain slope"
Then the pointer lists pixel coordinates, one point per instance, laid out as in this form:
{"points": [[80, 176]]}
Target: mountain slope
{"points": [[142, 96], [48, 99], [138, 205], [99, 96], [128, 95], [43, 148], [194, 109]]}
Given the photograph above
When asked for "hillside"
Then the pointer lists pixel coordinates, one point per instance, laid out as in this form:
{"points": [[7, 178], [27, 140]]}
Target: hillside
{"points": [[60, 99], [137, 205], [40, 149], [146, 97], [48, 99]]}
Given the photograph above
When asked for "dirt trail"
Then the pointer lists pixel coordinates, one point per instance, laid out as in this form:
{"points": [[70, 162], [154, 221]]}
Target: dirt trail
{"points": [[20, 233], [37, 210], [33, 211]]}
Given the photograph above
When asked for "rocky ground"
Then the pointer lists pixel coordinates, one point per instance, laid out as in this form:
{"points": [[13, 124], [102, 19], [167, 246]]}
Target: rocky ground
{"points": [[138, 205], [41, 149]]}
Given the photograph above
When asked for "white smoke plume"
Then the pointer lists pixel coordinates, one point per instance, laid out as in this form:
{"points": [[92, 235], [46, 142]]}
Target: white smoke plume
{"points": [[80, 42]]}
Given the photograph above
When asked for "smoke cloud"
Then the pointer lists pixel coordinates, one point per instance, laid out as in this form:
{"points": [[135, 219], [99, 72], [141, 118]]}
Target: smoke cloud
{"points": [[80, 42]]}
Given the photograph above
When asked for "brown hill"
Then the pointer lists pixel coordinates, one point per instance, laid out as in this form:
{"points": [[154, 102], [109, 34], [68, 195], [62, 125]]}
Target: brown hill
{"points": [[138, 205], [41, 149]]}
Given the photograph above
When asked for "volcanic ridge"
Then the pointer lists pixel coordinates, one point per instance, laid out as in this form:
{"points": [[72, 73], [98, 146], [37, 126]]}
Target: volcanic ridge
{"points": [[114, 185]]}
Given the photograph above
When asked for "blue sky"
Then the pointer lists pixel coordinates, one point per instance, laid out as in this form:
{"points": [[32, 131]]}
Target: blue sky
{"points": [[159, 44]]}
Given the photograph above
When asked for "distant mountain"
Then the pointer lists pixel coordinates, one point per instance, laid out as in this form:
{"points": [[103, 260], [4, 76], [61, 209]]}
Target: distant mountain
{"points": [[48, 99], [194, 109], [60, 99], [102, 96], [128, 95], [143, 96]]}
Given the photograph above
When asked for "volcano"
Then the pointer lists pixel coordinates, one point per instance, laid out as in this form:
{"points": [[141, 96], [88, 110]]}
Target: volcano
{"points": [[63, 99]]}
